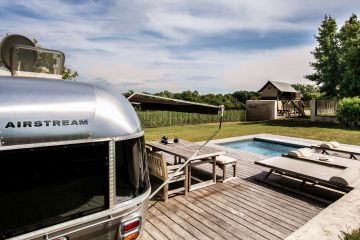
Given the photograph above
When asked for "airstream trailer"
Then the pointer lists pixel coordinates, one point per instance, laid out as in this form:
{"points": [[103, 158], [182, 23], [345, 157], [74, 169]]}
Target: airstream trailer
{"points": [[72, 159]]}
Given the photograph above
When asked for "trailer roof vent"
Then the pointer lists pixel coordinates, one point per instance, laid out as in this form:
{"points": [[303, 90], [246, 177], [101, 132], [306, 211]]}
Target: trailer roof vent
{"points": [[20, 55]]}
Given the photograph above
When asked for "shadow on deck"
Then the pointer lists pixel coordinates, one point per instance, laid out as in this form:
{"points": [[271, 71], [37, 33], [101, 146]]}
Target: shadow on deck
{"points": [[239, 209]]}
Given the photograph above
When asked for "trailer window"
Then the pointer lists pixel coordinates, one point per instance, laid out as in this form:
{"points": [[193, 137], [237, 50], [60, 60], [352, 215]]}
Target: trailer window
{"points": [[44, 186], [132, 175]]}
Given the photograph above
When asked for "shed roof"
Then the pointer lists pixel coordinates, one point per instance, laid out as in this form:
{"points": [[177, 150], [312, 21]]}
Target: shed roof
{"points": [[152, 102], [281, 86]]}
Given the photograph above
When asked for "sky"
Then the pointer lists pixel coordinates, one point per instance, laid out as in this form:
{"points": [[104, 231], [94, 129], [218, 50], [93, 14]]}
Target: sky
{"points": [[212, 46]]}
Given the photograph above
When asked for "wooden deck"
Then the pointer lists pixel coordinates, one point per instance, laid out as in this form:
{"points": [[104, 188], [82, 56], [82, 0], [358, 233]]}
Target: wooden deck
{"points": [[239, 209]]}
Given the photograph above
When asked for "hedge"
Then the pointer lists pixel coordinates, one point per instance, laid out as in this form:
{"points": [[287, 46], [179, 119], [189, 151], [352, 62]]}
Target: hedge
{"points": [[152, 119], [348, 112]]}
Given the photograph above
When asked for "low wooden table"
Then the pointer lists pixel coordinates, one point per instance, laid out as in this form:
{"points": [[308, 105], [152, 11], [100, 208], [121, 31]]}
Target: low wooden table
{"points": [[184, 150]]}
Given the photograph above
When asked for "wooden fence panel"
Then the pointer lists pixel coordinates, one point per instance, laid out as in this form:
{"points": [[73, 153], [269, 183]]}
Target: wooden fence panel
{"points": [[326, 107]]}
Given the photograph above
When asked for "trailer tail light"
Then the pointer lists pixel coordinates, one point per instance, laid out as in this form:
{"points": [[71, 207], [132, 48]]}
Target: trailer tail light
{"points": [[130, 230], [131, 236], [131, 225]]}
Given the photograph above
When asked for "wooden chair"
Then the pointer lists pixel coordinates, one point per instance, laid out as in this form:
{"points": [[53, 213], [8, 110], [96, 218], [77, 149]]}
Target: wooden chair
{"points": [[159, 168], [224, 161]]}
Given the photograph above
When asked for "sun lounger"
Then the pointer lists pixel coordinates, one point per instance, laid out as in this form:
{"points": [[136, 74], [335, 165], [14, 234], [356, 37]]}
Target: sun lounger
{"points": [[330, 175], [308, 154], [325, 147]]}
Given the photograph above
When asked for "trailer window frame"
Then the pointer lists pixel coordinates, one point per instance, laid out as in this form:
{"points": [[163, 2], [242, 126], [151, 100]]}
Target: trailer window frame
{"points": [[99, 177], [131, 168]]}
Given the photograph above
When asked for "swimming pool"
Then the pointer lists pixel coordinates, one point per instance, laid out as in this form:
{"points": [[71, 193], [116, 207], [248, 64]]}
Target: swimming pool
{"points": [[262, 147]]}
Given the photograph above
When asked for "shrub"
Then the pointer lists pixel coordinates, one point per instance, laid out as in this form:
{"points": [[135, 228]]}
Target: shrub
{"points": [[354, 235], [348, 112]]}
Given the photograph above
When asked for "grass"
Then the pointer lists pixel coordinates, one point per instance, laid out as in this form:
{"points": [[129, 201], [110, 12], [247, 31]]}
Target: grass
{"points": [[293, 128]]}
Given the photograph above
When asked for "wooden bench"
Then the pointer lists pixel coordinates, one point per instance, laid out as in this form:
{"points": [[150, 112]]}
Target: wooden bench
{"points": [[159, 168], [224, 161]]}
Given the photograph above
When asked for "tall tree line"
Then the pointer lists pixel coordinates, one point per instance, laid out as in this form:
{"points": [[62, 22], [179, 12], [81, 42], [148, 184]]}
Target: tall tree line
{"points": [[235, 100], [337, 58]]}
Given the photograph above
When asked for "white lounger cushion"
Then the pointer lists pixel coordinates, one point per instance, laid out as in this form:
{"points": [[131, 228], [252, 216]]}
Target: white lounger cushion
{"points": [[306, 152], [294, 153], [347, 176], [326, 145], [302, 152], [330, 145], [335, 144]]}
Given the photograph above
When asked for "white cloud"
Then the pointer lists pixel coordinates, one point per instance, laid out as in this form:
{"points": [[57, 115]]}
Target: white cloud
{"points": [[106, 39], [220, 72], [287, 65]]}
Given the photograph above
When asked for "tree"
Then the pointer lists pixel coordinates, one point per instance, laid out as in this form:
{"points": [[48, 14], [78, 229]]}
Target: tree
{"points": [[326, 65], [228, 100], [165, 93], [242, 96], [308, 91], [69, 74], [128, 93], [349, 39]]}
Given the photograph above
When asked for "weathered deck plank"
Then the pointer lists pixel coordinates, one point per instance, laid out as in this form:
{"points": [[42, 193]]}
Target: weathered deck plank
{"points": [[162, 226], [178, 229], [201, 226], [238, 209], [153, 232], [249, 219], [146, 235], [281, 211], [237, 219], [181, 222], [201, 215]]}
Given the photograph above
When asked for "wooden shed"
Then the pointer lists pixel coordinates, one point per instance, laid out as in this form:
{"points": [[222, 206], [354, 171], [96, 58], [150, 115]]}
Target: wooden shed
{"points": [[279, 91]]}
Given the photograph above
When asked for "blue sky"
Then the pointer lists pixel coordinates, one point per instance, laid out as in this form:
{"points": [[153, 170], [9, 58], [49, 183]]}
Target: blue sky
{"points": [[206, 45]]}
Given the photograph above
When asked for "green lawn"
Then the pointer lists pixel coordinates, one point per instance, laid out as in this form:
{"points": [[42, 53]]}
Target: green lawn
{"points": [[294, 128]]}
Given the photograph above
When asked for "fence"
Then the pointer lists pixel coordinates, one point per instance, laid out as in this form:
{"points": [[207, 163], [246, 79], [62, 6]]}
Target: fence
{"points": [[306, 105], [326, 107], [151, 119]]}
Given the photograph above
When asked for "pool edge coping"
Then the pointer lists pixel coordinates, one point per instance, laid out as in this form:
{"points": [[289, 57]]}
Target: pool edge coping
{"points": [[339, 216]]}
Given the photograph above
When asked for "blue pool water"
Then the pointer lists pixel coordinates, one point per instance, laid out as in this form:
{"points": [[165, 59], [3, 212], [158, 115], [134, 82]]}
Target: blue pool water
{"points": [[261, 147]]}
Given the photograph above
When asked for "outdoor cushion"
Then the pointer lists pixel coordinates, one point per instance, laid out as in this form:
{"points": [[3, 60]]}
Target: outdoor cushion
{"points": [[326, 145], [295, 153], [330, 145], [347, 176], [306, 152], [302, 152], [335, 144]]}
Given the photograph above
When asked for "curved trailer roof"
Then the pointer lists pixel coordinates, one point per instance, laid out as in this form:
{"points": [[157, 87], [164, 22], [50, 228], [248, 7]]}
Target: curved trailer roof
{"points": [[34, 110]]}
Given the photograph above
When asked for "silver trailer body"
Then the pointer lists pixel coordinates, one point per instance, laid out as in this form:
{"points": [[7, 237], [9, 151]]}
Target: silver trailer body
{"points": [[41, 114], [34, 110]]}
